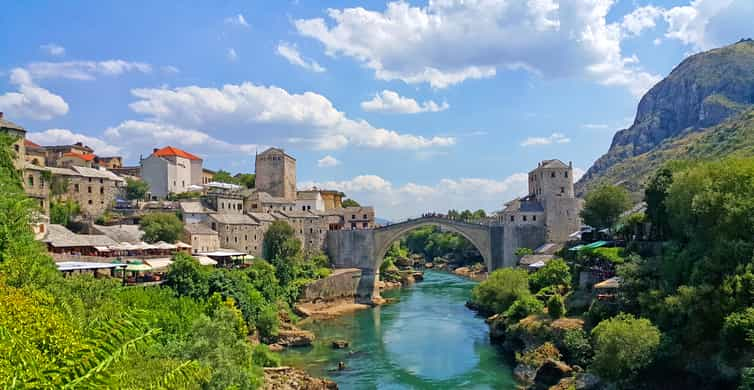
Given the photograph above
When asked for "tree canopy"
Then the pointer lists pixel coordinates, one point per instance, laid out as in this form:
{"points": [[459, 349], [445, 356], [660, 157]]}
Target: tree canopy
{"points": [[136, 189], [161, 227], [348, 202], [603, 206]]}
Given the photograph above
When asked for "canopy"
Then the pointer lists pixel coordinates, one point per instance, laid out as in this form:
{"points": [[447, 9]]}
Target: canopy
{"points": [[538, 264], [159, 263], [134, 267], [223, 253], [593, 245], [245, 257], [164, 245], [81, 265], [102, 249], [613, 282], [204, 260], [182, 245]]}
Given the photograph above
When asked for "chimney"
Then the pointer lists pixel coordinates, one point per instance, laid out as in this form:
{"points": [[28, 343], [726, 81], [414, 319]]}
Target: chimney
{"points": [[570, 164], [154, 150]]}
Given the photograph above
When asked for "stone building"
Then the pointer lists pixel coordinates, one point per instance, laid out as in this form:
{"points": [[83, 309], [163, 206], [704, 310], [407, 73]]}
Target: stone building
{"points": [[239, 232], [113, 162], [37, 181], [357, 217], [309, 228], [74, 159], [171, 171], [19, 133], [208, 176], [35, 154], [56, 152], [95, 190], [262, 202], [201, 238], [276, 174], [194, 212], [550, 204], [224, 201], [310, 200]]}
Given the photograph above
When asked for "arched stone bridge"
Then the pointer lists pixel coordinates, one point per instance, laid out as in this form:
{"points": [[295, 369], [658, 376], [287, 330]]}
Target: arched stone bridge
{"points": [[365, 249]]}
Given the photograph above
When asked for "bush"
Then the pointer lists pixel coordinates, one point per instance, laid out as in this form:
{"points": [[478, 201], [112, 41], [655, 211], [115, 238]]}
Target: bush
{"points": [[500, 290], [576, 347], [186, 277], [736, 335], [539, 355], [161, 227], [599, 311], [623, 345], [555, 306], [523, 307], [554, 273], [262, 356]]}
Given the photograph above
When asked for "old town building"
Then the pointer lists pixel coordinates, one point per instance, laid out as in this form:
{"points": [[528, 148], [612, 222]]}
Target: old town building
{"points": [[35, 154], [239, 232], [19, 133], [56, 152], [201, 238], [276, 174], [171, 171]]}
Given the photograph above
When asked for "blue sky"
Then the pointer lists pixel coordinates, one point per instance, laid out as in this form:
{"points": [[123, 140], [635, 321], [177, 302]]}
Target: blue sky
{"points": [[409, 106]]}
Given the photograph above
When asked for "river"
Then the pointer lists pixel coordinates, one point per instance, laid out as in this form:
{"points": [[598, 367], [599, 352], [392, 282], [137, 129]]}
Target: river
{"points": [[427, 339]]}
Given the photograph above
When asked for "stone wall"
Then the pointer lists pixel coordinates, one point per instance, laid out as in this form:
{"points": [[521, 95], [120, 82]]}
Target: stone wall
{"points": [[341, 284]]}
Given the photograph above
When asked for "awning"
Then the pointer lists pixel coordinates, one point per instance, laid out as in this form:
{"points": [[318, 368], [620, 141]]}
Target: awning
{"points": [[159, 264], [82, 265], [223, 253], [164, 245], [204, 260], [102, 249], [134, 267], [538, 264], [593, 245], [613, 282], [182, 245]]}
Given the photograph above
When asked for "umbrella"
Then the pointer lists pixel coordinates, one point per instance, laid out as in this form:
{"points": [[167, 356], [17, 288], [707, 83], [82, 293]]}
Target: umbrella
{"points": [[140, 267]]}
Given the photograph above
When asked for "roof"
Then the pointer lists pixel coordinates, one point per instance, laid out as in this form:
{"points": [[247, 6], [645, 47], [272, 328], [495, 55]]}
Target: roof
{"points": [[233, 219], [85, 157], [554, 163], [524, 205], [532, 259], [170, 151], [267, 198], [308, 195], [262, 217], [97, 173], [613, 282], [223, 253], [82, 265], [279, 150], [60, 237], [198, 228], [4, 124], [225, 186], [30, 144], [296, 214], [121, 233], [193, 208]]}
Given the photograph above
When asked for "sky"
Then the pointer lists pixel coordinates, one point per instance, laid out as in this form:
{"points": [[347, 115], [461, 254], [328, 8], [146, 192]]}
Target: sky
{"points": [[407, 106]]}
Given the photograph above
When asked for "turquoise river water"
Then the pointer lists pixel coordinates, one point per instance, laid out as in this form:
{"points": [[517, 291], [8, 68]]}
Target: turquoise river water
{"points": [[427, 339]]}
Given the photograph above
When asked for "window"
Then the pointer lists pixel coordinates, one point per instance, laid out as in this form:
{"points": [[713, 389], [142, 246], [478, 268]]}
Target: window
{"points": [[18, 148], [31, 180], [303, 208], [102, 190], [222, 205], [513, 218], [353, 216], [214, 226], [365, 216], [90, 180], [562, 190], [89, 189], [245, 237], [533, 217], [353, 226], [366, 225], [90, 201], [566, 174], [235, 239], [552, 174], [101, 181], [183, 183], [524, 218], [311, 230]]}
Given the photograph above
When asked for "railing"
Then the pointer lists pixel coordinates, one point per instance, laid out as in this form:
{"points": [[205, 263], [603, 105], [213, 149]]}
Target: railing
{"points": [[475, 222]]}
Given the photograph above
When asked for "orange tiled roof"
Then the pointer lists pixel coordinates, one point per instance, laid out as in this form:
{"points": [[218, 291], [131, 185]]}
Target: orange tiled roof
{"points": [[30, 144], [85, 157], [172, 151]]}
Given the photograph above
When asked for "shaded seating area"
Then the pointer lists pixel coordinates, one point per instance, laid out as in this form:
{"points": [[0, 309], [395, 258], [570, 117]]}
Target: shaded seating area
{"points": [[228, 258], [72, 267]]}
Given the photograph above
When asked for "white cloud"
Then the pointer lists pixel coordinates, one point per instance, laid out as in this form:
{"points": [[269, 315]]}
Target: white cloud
{"points": [[327, 162], [290, 53], [448, 42], [595, 126], [554, 138], [31, 101], [170, 69], [392, 102], [578, 173], [237, 20], [411, 199], [231, 54], [706, 24], [306, 118], [53, 49], [641, 19], [67, 137], [84, 70], [141, 137]]}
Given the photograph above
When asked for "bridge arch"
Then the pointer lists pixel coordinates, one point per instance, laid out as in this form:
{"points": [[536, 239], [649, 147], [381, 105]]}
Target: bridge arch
{"points": [[477, 235]]}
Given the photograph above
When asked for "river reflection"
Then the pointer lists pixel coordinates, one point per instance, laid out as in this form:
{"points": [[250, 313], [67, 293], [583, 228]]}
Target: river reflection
{"points": [[427, 340]]}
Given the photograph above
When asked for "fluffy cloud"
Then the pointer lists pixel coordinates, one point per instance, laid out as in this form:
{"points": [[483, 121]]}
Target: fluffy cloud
{"points": [[84, 70], [141, 137], [290, 53], [67, 137], [31, 101], [327, 162], [447, 42], [306, 118], [595, 126], [392, 102], [411, 199], [231, 54], [554, 138], [237, 20], [53, 49], [641, 19], [706, 24]]}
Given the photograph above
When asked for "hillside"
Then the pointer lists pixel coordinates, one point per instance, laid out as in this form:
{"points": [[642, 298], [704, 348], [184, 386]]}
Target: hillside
{"points": [[696, 112]]}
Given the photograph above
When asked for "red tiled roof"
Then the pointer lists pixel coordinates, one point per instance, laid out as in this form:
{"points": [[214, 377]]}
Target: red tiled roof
{"points": [[85, 157], [172, 151], [30, 144]]}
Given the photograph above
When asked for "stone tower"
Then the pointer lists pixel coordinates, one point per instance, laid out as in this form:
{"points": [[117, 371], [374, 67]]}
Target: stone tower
{"points": [[276, 173], [551, 184]]}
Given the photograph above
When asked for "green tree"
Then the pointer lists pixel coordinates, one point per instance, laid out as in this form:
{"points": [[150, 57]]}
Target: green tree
{"points": [[555, 306], [500, 290], [161, 227], [247, 180], [136, 189], [350, 203], [63, 212], [604, 205], [224, 177], [479, 214], [522, 307], [282, 249], [655, 194], [555, 273], [187, 277], [623, 345]]}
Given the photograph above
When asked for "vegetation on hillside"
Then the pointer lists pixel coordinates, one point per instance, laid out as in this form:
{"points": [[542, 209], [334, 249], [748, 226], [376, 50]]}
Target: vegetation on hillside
{"points": [[161, 227]]}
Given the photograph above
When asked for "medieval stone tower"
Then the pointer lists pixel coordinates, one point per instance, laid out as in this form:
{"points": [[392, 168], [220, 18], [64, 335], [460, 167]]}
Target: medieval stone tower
{"points": [[551, 184], [276, 173]]}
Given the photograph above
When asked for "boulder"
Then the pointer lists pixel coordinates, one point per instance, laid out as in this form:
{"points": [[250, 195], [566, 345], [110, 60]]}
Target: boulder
{"points": [[340, 344], [291, 336], [428, 265], [551, 373], [289, 378], [404, 262], [275, 347], [418, 276]]}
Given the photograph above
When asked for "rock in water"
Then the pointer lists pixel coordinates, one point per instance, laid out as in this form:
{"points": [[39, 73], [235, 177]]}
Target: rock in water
{"points": [[289, 378], [340, 344]]}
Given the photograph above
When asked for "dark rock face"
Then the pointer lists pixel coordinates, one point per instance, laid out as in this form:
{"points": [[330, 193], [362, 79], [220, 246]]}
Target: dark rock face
{"points": [[704, 90], [551, 372]]}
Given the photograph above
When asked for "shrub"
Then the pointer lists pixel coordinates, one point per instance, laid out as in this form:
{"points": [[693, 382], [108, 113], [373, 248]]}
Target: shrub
{"points": [[186, 277], [623, 345], [576, 347], [599, 311], [555, 306], [523, 307], [736, 334], [539, 355], [262, 356], [161, 227], [500, 290], [554, 273]]}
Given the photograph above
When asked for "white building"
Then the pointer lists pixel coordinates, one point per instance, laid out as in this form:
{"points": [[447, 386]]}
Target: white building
{"points": [[310, 200], [171, 171]]}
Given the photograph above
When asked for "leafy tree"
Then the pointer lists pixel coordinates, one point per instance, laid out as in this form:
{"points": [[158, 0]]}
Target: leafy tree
{"points": [[247, 180], [623, 345], [524, 306], [736, 335], [58, 185], [282, 249], [576, 347], [161, 227], [136, 189], [350, 203], [466, 215], [63, 213], [500, 290], [555, 273], [555, 306], [186, 277], [655, 195], [604, 205], [521, 252], [224, 177], [479, 214]]}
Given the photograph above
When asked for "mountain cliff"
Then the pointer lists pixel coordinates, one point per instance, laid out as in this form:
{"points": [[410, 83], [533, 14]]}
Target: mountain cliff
{"points": [[696, 112]]}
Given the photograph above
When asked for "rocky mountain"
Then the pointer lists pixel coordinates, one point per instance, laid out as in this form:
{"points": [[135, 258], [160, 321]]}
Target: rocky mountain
{"points": [[705, 104]]}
